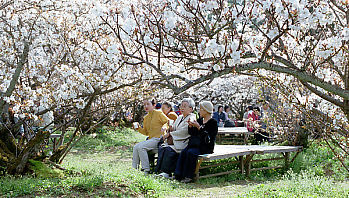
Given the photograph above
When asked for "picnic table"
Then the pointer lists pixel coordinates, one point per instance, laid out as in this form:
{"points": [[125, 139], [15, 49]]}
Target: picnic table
{"points": [[223, 131], [243, 155]]}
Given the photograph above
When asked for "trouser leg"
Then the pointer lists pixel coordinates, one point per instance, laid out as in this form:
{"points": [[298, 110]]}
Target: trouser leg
{"points": [[161, 154], [190, 162], [135, 158], [143, 148], [169, 161], [180, 166]]}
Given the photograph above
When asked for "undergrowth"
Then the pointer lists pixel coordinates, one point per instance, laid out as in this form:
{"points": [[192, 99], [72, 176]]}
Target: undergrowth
{"points": [[100, 166]]}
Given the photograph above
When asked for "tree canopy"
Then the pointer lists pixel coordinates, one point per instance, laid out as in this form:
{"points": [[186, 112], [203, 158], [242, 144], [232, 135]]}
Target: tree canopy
{"points": [[83, 56]]}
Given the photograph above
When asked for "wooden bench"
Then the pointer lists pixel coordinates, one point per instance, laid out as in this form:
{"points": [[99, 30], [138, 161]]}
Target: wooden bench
{"points": [[243, 155], [223, 131]]}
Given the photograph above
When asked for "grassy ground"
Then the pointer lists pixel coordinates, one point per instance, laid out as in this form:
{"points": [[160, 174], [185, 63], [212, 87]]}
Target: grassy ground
{"points": [[100, 166]]}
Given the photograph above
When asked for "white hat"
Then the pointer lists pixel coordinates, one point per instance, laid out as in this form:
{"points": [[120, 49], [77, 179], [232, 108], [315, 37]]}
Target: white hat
{"points": [[207, 106]]}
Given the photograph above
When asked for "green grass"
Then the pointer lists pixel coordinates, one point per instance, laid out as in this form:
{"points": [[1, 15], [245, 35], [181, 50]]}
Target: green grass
{"points": [[321, 161], [100, 166], [109, 138], [304, 184], [40, 169]]}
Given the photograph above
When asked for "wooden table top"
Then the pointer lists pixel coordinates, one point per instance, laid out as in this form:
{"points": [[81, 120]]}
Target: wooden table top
{"points": [[226, 151], [233, 130]]}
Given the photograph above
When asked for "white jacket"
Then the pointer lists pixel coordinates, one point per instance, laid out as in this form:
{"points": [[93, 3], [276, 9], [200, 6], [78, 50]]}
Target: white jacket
{"points": [[180, 132]]}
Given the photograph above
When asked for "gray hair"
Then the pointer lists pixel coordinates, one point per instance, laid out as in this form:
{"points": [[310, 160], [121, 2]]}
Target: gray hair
{"points": [[190, 102]]}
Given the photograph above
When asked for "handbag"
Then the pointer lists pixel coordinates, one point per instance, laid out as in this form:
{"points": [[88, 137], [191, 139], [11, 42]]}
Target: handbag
{"points": [[206, 137], [169, 140]]}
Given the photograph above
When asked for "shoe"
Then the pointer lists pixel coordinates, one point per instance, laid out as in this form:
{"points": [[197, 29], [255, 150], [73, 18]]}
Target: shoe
{"points": [[186, 180], [165, 175]]}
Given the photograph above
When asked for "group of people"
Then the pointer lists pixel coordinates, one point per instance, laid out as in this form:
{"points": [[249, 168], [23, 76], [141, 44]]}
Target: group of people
{"points": [[179, 139], [255, 118], [222, 116]]}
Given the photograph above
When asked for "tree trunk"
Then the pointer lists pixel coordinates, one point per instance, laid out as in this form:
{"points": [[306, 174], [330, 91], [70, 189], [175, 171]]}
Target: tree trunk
{"points": [[17, 166]]}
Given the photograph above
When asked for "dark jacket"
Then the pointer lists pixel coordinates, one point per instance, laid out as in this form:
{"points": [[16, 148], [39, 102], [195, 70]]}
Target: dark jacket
{"points": [[218, 116], [211, 127]]}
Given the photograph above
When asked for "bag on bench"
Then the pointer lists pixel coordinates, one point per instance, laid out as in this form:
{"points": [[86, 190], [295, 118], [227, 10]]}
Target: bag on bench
{"points": [[169, 140]]}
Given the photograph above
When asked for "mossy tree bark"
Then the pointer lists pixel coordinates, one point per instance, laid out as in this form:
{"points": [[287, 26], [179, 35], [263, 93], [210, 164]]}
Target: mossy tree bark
{"points": [[17, 165]]}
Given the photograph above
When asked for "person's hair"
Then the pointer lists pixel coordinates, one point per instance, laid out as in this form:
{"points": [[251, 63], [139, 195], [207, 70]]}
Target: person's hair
{"points": [[190, 102], [158, 105], [152, 100], [226, 107], [257, 108], [220, 106], [250, 107], [168, 104]]}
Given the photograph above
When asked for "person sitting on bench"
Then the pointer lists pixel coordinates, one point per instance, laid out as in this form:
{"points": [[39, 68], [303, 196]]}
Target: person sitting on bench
{"points": [[154, 124], [203, 135], [167, 109], [176, 139]]}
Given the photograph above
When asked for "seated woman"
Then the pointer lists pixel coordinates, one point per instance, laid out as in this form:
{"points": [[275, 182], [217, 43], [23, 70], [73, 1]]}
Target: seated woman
{"points": [[166, 108], [169, 151], [203, 135], [155, 122], [219, 116]]}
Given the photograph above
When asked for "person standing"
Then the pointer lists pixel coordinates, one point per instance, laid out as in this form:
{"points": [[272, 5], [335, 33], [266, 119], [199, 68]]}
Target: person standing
{"points": [[202, 140], [154, 124]]}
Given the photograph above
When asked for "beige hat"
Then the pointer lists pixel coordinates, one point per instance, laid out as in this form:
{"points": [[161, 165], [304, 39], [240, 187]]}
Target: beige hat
{"points": [[207, 106]]}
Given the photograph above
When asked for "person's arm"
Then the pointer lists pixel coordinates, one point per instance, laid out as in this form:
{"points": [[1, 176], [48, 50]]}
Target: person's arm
{"points": [[226, 116], [223, 116], [211, 128], [164, 120], [193, 131], [172, 116], [143, 130], [215, 116], [182, 130]]}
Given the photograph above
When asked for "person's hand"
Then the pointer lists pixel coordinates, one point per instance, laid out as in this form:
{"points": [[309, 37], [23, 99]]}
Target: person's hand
{"points": [[194, 124], [136, 125], [163, 129], [166, 135], [189, 123]]}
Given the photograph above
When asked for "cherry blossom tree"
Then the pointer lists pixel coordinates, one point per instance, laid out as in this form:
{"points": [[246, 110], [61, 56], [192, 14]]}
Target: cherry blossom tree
{"points": [[231, 90], [189, 42], [55, 58], [301, 46], [74, 55]]}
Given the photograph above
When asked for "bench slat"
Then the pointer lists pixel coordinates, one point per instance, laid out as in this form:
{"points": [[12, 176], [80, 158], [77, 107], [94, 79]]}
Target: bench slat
{"points": [[214, 156], [217, 174]]}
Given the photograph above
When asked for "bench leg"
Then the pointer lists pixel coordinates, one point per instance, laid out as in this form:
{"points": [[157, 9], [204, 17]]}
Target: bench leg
{"points": [[197, 169], [287, 161], [248, 164], [241, 159], [219, 139], [295, 156]]}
